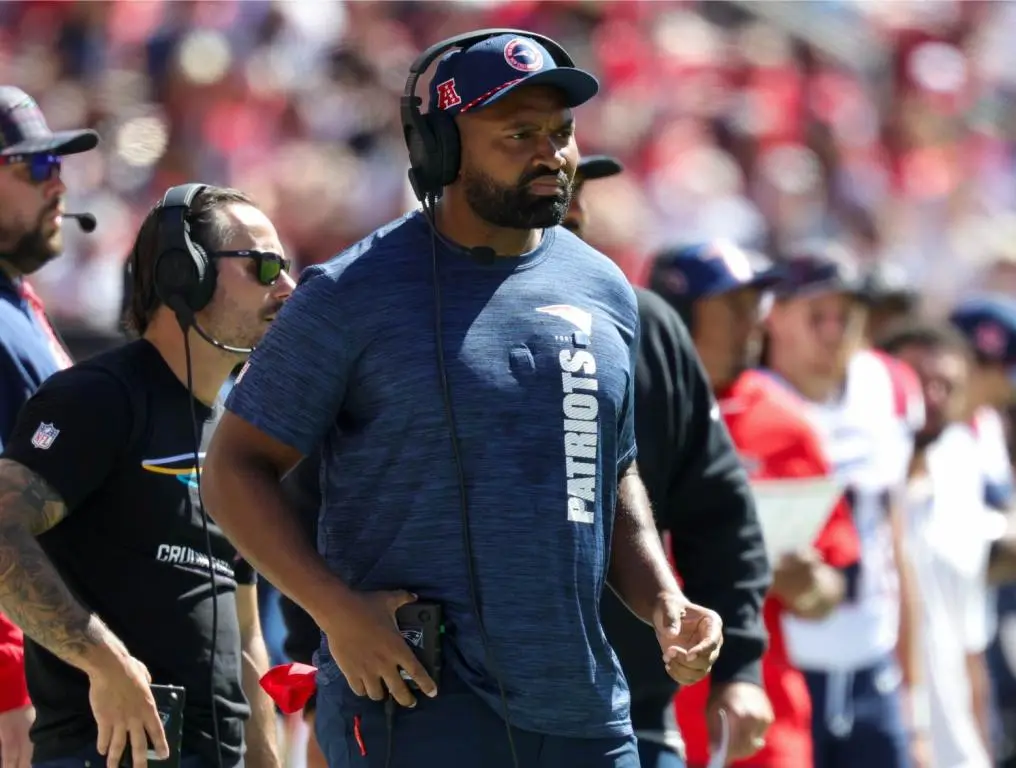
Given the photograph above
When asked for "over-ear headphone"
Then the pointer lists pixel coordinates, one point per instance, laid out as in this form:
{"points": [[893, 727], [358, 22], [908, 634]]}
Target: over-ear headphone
{"points": [[184, 276], [432, 138]]}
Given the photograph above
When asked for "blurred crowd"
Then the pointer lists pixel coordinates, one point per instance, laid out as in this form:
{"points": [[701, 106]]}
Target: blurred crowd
{"points": [[886, 124]]}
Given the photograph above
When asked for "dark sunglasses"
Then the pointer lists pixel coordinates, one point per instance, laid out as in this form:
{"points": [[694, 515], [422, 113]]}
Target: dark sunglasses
{"points": [[40, 167], [270, 266]]}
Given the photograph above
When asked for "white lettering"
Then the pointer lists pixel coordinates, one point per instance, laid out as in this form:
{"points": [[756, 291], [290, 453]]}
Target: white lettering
{"points": [[179, 555], [583, 407], [574, 360], [581, 432]]}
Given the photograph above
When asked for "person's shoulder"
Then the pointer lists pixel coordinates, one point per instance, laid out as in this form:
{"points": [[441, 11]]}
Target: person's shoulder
{"points": [[776, 417], [591, 272], [874, 368], [782, 408], [375, 253], [569, 247], [111, 375]]}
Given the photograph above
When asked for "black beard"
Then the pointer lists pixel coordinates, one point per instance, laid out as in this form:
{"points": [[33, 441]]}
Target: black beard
{"points": [[32, 251], [515, 207]]}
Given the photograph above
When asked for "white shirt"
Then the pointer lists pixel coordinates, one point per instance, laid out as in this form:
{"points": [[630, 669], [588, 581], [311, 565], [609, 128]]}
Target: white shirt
{"points": [[867, 433], [948, 536]]}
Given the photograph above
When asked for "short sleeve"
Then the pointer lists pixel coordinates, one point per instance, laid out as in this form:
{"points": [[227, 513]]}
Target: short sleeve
{"points": [[15, 389], [293, 385], [626, 447], [73, 431]]}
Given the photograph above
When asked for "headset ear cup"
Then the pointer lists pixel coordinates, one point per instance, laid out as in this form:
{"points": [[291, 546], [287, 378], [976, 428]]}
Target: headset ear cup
{"points": [[448, 153], [424, 149], [175, 276]]}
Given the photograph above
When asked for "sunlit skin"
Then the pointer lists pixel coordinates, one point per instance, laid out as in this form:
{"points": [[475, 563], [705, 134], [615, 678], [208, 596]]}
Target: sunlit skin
{"points": [[524, 144], [728, 334], [812, 338], [945, 379], [30, 218]]}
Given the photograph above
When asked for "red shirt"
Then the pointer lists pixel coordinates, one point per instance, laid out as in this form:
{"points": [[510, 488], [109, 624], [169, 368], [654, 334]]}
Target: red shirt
{"points": [[775, 441]]}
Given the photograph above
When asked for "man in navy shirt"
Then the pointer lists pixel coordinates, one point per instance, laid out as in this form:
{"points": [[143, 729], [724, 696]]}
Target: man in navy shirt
{"points": [[31, 201], [540, 334]]}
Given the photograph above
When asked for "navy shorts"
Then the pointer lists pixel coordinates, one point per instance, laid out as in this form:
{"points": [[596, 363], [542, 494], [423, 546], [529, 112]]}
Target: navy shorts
{"points": [[456, 728]]}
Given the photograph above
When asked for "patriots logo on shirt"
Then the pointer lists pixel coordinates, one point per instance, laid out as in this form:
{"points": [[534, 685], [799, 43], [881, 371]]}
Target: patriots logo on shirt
{"points": [[578, 317]]}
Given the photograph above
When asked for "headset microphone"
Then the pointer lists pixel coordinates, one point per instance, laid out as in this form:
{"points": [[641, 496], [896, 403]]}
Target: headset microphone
{"points": [[185, 317], [218, 344], [86, 221]]}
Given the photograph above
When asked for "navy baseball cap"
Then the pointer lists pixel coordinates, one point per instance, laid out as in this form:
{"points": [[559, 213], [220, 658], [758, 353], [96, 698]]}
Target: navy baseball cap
{"points": [[885, 281], [813, 272], [709, 269], [23, 129], [475, 77], [989, 324], [598, 167]]}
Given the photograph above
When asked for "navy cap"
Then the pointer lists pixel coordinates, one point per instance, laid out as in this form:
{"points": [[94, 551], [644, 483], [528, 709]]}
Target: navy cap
{"points": [[812, 272], [477, 76], [709, 269], [885, 281], [989, 324], [23, 129], [598, 167]]}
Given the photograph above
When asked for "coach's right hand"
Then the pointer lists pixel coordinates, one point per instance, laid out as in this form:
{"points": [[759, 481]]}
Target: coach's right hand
{"points": [[365, 641], [124, 708]]}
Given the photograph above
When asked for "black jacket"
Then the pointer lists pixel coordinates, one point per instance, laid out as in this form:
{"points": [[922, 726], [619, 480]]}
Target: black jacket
{"points": [[700, 493]]}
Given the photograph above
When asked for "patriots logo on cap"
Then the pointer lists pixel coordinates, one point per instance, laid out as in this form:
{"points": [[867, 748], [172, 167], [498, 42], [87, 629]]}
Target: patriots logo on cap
{"points": [[990, 339], [523, 55]]}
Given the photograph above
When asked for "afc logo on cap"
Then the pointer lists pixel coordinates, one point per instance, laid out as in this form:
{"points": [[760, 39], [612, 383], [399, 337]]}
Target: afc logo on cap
{"points": [[523, 55], [447, 96]]}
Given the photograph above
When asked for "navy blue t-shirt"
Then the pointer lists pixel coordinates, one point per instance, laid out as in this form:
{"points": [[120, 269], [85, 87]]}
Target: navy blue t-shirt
{"points": [[26, 354], [540, 353]]}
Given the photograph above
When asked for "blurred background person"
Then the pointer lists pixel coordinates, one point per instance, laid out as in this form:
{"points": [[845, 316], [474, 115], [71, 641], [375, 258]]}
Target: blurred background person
{"points": [[860, 661], [988, 323], [948, 536], [31, 203], [701, 499], [719, 291]]}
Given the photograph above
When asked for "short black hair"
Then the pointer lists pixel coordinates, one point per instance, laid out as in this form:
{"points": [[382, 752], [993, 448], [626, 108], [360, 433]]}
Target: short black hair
{"points": [[925, 334], [208, 229]]}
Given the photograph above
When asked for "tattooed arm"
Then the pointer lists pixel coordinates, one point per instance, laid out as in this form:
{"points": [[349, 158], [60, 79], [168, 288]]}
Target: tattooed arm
{"points": [[32, 594]]}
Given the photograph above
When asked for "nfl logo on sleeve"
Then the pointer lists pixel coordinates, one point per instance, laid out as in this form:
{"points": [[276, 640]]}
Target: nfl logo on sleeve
{"points": [[44, 436]]}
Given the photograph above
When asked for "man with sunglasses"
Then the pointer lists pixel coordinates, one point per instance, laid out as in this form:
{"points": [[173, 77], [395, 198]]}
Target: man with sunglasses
{"points": [[102, 535], [31, 193]]}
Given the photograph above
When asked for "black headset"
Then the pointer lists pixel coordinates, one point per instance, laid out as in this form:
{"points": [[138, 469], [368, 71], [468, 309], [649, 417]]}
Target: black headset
{"points": [[432, 137], [184, 276]]}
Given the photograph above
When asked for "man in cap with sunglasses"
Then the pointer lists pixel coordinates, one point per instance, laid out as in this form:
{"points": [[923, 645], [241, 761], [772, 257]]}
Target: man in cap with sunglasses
{"points": [[419, 446], [102, 534], [31, 194], [862, 661]]}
